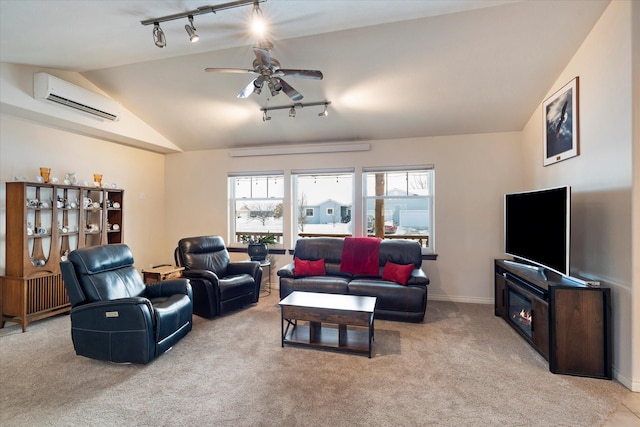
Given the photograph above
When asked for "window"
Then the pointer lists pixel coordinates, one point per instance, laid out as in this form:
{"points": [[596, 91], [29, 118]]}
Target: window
{"points": [[256, 204], [393, 203], [322, 203], [399, 203]]}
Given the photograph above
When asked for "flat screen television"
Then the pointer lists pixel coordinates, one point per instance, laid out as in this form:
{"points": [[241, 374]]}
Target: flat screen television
{"points": [[537, 227]]}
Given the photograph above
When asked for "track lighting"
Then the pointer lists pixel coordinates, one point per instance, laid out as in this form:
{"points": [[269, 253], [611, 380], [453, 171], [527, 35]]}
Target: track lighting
{"points": [[324, 112], [292, 109], [158, 35], [191, 30]]}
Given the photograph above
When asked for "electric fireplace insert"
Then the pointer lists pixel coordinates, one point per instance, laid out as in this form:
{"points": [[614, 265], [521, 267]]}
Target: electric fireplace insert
{"points": [[520, 311]]}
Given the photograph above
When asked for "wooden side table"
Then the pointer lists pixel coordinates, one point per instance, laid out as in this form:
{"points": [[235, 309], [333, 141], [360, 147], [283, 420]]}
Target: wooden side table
{"points": [[160, 273]]}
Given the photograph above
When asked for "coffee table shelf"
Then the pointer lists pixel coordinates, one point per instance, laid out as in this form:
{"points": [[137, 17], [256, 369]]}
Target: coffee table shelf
{"points": [[350, 317]]}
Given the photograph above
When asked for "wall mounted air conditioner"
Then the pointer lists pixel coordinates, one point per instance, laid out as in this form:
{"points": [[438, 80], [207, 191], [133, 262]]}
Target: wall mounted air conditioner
{"points": [[50, 88]]}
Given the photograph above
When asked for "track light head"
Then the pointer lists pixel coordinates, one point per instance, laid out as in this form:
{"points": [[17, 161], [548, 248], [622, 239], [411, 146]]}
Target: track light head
{"points": [[265, 116], [292, 112], [191, 30], [324, 112], [158, 35]]}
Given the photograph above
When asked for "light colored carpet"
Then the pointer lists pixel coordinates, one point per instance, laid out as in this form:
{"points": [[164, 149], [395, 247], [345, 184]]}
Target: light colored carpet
{"points": [[461, 367]]}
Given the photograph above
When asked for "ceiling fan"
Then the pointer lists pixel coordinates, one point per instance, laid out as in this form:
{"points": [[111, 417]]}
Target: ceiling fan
{"points": [[269, 72]]}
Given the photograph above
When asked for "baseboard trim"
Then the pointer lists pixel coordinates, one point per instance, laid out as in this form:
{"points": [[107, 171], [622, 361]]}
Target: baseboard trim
{"points": [[630, 383], [461, 299]]}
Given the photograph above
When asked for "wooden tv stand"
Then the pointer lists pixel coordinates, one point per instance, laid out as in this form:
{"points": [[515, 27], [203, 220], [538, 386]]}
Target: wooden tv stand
{"points": [[567, 323]]}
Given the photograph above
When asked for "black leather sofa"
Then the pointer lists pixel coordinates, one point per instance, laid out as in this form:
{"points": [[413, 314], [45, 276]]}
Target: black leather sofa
{"points": [[394, 301], [114, 315]]}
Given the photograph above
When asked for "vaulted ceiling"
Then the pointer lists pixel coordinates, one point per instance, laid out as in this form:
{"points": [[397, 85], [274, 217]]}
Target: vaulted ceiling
{"points": [[392, 69]]}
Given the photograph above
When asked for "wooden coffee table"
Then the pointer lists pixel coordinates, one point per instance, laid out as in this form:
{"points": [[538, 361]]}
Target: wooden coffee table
{"points": [[318, 308]]}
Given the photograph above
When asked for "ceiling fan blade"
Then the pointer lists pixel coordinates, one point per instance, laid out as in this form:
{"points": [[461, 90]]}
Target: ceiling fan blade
{"points": [[263, 56], [291, 92], [248, 90], [229, 70], [302, 74]]}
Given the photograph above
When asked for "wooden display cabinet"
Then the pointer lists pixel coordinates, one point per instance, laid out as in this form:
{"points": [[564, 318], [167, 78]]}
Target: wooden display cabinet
{"points": [[44, 222]]}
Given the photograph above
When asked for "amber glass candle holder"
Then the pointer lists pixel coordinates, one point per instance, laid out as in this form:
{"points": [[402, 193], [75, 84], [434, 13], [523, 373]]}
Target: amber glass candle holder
{"points": [[97, 179], [45, 173]]}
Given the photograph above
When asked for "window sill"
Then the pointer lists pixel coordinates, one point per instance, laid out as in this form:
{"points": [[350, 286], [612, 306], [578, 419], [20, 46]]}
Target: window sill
{"points": [[244, 250]]}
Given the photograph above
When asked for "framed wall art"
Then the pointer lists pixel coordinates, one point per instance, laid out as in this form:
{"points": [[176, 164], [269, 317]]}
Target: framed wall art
{"points": [[560, 115]]}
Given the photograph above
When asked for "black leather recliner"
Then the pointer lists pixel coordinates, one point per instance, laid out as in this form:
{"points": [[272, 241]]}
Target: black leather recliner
{"points": [[219, 286], [114, 315]]}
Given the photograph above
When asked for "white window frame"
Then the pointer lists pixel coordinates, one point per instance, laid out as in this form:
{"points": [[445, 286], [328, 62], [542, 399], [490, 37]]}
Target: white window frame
{"points": [[232, 199], [430, 249]]}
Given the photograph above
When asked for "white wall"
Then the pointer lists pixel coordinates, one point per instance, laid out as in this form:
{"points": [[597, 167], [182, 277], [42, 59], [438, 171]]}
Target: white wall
{"points": [[601, 176], [17, 98], [635, 309], [25, 146], [472, 172]]}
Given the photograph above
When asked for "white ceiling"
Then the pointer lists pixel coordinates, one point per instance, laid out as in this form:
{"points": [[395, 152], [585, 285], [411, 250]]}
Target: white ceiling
{"points": [[393, 69]]}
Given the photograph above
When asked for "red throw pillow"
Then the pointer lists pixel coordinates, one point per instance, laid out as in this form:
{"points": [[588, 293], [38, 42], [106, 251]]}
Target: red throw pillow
{"points": [[303, 267], [397, 273]]}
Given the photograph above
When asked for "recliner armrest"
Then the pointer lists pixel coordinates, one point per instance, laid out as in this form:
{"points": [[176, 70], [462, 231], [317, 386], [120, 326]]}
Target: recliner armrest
{"points": [[169, 287], [119, 330], [200, 274], [286, 271], [134, 312], [243, 267], [418, 277]]}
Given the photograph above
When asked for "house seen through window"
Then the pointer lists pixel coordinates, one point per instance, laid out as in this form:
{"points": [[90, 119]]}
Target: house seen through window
{"points": [[322, 203]]}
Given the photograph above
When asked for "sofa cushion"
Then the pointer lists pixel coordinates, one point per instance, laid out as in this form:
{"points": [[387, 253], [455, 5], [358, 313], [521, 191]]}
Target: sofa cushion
{"points": [[391, 296], [400, 251], [323, 284], [327, 248], [397, 273], [303, 267]]}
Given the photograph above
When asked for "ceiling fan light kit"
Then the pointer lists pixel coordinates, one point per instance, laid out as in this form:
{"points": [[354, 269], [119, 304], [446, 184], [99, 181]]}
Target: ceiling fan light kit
{"points": [[268, 71], [159, 37]]}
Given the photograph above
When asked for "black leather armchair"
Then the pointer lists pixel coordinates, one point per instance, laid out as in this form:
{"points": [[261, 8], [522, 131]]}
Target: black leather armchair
{"points": [[114, 315], [219, 286]]}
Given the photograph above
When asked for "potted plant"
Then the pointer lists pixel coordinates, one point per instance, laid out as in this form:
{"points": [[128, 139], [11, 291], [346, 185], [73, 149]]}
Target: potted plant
{"points": [[257, 245]]}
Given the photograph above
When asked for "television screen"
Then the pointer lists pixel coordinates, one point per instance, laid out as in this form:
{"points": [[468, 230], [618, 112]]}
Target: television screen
{"points": [[537, 227]]}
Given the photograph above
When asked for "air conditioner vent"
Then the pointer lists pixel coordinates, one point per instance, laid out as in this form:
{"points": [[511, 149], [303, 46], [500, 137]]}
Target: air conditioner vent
{"points": [[78, 106]]}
